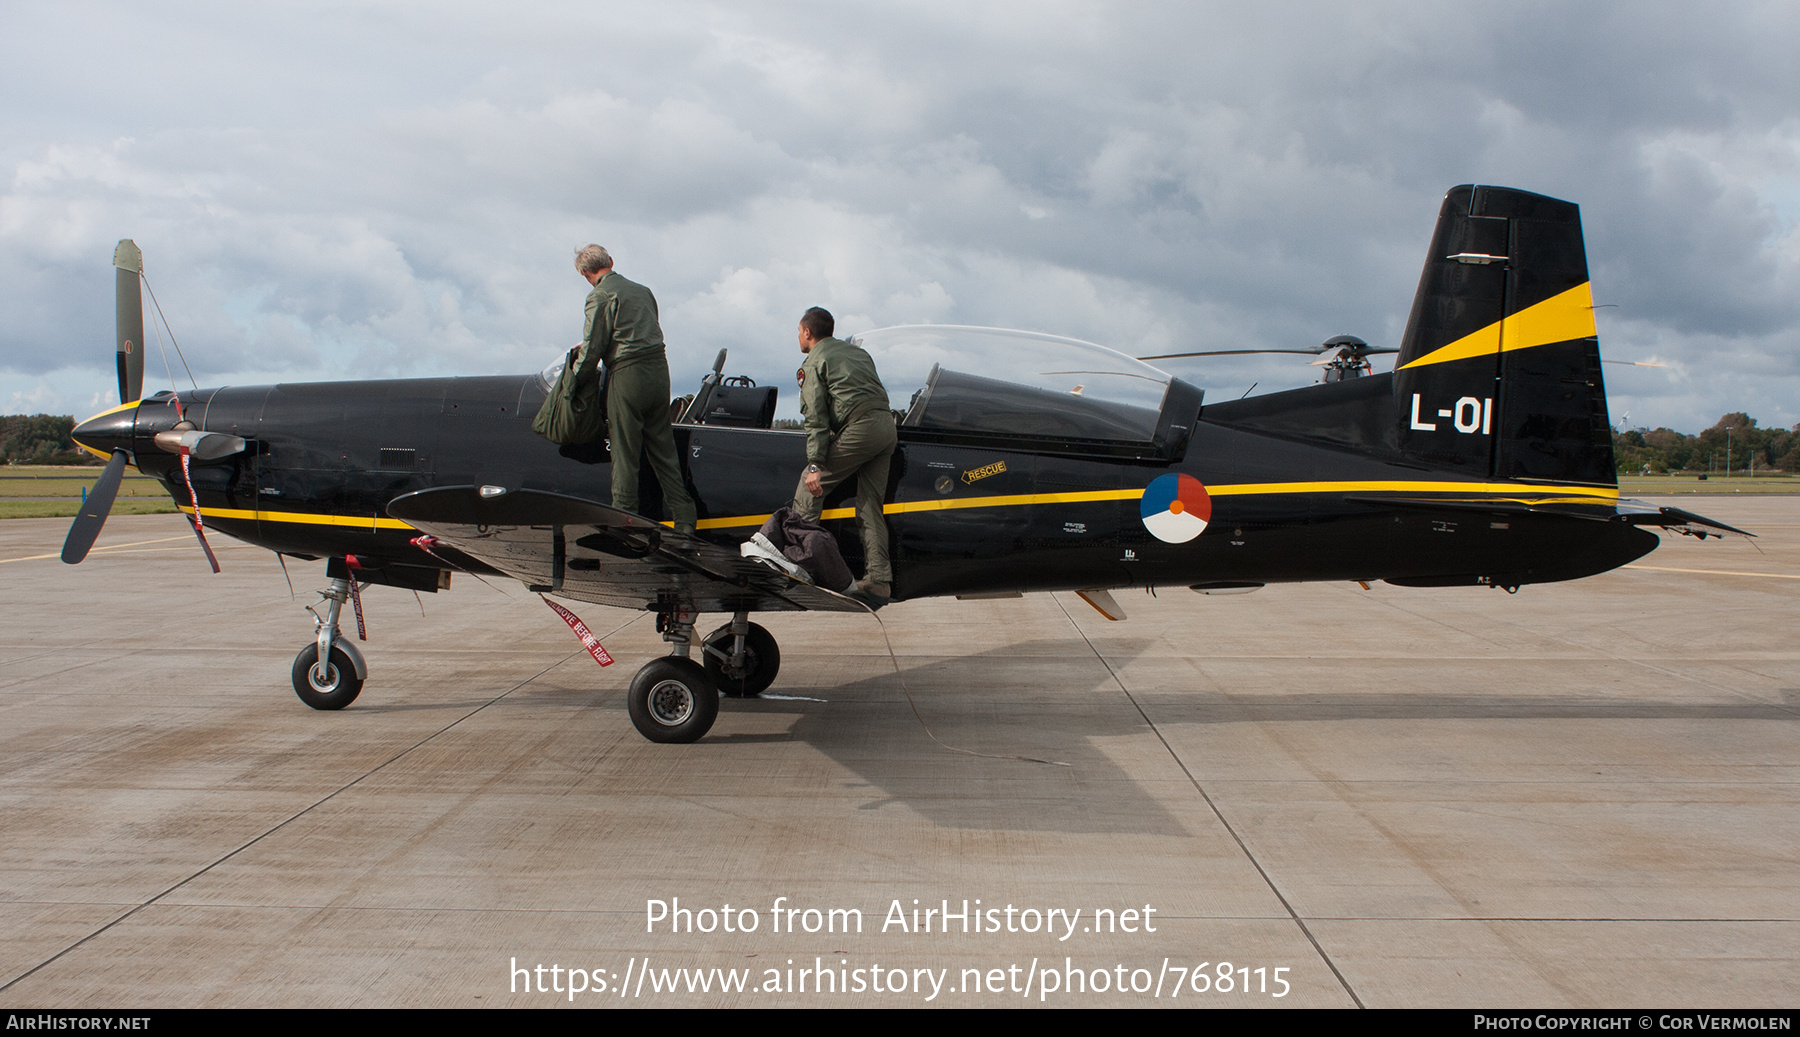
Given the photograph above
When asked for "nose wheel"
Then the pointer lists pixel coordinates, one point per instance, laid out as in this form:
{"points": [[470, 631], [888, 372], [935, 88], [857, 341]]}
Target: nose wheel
{"points": [[332, 686]]}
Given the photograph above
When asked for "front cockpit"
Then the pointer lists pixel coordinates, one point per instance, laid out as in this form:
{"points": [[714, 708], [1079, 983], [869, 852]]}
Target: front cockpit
{"points": [[993, 386]]}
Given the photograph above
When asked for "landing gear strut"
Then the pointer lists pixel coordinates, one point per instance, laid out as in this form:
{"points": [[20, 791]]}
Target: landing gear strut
{"points": [[672, 699], [741, 657], [329, 673]]}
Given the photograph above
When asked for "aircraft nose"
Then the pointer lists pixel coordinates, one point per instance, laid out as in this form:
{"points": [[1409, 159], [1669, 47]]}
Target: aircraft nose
{"points": [[109, 430]]}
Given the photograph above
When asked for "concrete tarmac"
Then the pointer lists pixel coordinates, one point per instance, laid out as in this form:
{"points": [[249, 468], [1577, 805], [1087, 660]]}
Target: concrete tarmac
{"points": [[1580, 795]]}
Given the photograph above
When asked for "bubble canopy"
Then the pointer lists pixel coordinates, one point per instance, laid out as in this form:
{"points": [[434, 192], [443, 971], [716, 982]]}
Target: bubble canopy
{"points": [[993, 380]]}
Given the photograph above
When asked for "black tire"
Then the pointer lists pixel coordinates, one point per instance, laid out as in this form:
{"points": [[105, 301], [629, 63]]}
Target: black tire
{"points": [[341, 684], [762, 661], [672, 700]]}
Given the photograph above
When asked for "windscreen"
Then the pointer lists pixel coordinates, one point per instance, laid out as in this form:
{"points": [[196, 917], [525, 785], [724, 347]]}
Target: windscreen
{"points": [[548, 376]]}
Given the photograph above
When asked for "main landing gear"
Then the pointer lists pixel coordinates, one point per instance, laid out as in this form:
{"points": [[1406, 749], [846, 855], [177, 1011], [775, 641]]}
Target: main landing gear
{"points": [[741, 657], [329, 673], [675, 699]]}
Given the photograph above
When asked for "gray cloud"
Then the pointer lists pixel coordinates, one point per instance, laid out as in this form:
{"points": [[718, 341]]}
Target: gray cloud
{"points": [[360, 192]]}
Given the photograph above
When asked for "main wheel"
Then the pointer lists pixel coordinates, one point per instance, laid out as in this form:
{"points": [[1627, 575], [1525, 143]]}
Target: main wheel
{"points": [[672, 700], [762, 661], [340, 686]]}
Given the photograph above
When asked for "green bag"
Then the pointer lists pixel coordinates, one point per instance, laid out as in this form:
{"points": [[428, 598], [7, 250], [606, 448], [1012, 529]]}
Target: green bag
{"points": [[573, 413]]}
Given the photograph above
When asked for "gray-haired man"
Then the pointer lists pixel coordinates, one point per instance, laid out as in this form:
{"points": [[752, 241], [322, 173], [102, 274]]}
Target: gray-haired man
{"points": [[622, 332]]}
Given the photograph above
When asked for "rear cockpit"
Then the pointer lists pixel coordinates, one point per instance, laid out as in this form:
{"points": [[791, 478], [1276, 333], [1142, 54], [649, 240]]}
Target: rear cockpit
{"points": [[1026, 390]]}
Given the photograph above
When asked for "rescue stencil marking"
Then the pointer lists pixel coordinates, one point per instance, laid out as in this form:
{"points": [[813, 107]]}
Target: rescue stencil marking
{"points": [[1175, 508], [983, 472]]}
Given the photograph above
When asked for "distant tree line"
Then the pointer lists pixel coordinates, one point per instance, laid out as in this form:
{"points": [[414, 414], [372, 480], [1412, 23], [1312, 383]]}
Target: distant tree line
{"points": [[40, 439], [1665, 450]]}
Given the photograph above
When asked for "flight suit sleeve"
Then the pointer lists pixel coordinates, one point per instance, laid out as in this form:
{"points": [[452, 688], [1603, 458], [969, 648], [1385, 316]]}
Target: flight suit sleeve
{"points": [[815, 405], [596, 336]]}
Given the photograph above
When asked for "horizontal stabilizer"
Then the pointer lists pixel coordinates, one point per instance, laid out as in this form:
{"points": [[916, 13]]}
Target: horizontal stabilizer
{"points": [[1631, 512], [1568, 507], [1675, 520]]}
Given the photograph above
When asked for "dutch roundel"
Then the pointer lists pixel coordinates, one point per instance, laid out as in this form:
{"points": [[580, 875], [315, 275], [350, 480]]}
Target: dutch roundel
{"points": [[1176, 508]]}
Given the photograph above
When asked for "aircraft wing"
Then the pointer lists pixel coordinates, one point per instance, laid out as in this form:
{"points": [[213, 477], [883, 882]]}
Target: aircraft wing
{"points": [[588, 551]]}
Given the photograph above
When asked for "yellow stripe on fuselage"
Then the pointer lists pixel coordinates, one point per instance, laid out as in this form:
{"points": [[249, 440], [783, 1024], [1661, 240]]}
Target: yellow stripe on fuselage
{"points": [[1503, 490], [368, 522], [944, 504], [1498, 491], [1559, 318]]}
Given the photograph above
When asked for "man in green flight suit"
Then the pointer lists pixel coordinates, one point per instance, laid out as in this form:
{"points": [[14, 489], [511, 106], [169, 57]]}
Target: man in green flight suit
{"points": [[623, 333], [849, 432]]}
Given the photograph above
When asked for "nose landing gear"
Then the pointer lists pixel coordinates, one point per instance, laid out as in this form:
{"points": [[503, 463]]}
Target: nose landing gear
{"points": [[329, 673]]}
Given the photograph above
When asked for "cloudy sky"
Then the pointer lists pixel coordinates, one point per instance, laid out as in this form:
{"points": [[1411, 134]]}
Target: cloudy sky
{"points": [[359, 190]]}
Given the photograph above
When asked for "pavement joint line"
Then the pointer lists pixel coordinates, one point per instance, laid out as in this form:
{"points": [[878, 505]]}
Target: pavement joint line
{"points": [[1712, 572], [371, 772], [109, 547], [1251, 857]]}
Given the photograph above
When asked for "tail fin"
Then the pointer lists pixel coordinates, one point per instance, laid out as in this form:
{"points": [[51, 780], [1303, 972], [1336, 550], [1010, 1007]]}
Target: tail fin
{"points": [[1499, 371]]}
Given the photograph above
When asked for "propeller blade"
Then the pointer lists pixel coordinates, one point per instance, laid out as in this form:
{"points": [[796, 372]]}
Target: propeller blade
{"points": [[88, 522], [1231, 352], [129, 313], [1636, 363], [1359, 350]]}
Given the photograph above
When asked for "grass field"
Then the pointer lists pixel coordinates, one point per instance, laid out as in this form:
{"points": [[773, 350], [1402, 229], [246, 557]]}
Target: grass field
{"points": [[67, 509], [1665, 485], [132, 486], [138, 494]]}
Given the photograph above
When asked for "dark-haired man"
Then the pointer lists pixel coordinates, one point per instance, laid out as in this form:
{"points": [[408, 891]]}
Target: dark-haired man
{"points": [[622, 331], [849, 432]]}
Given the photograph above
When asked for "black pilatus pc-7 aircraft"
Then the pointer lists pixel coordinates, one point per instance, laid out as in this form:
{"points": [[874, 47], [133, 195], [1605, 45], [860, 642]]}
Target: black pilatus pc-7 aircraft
{"points": [[1026, 463]]}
